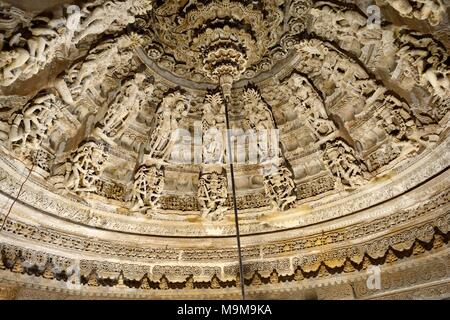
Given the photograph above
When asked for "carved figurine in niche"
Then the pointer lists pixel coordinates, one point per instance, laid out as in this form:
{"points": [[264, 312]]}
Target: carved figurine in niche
{"points": [[260, 119], [398, 123], [338, 23], [213, 126], [32, 124], [174, 107], [28, 56], [431, 10], [112, 15], [124, 108], [212, 194], [90, 73], [256, 111], [279, 187], [84, 168], [147, 187], [307, 101], [12, 64], [423, 60], [341, 160]]}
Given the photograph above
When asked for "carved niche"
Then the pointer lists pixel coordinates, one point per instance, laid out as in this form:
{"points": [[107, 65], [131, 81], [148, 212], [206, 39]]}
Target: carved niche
{"points": [[124, 108], [31, 125], [212, 193], [173, 109], [83, 168], [147, 188], [280, 187], [26, 56]]}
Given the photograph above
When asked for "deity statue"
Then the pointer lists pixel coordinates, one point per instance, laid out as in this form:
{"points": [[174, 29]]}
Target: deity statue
{"points": [[256, 111], [84, 167], [424, 61], [212, 194], [32, 124], [147, 187], [124, 108], [260, 120], [280, 187], [213, 128], [174, 107], [307, 101], [342, 162], [111, 15]]}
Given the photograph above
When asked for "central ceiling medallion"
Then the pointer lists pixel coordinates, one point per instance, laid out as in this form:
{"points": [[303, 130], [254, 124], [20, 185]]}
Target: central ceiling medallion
{"points": [[205, 41]]}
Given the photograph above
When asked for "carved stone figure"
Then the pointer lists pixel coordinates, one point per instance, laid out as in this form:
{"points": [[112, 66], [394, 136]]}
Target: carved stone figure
{"points": [[341, 160], [213, 126], [174, 107], [88, 75], [398, 123], [147, 187], [28, 56], [334, 22], [109, 16], [258, 113], [260, 119], [212, 194], [124, 108], [280, 187], [12, 64], [424, 60], [332, 73], [84, 167], [32, 124], [431, 10], [307, 101]]}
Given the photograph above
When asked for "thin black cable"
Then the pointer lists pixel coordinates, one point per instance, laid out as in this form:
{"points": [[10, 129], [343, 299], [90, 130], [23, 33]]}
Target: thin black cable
{"points": [[16, 198], [236, 219]]}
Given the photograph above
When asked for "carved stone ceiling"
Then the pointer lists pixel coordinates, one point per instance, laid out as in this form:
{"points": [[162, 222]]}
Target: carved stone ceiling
{"points": [[112, 118]]}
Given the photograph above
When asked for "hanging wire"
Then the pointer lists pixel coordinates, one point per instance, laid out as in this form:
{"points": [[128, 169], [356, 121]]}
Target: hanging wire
{"points": [[49, 74], [16, 198], [233, 186]]}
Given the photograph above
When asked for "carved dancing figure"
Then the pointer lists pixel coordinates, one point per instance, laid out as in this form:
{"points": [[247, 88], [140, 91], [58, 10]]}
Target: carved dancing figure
{"points": [[124, 108], [343, 164], [84, 168], [112, 13], [174, 107], [212, 195], [32, 124], [280, 187], [147, 188]]}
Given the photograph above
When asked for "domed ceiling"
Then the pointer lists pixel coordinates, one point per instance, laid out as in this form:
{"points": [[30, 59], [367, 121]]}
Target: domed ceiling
{"points": [[114, 171]]}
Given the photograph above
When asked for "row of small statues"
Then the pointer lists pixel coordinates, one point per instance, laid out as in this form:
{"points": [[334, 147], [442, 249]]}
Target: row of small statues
{"points": [[86, 164], [417, 57], [25, 57]]}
